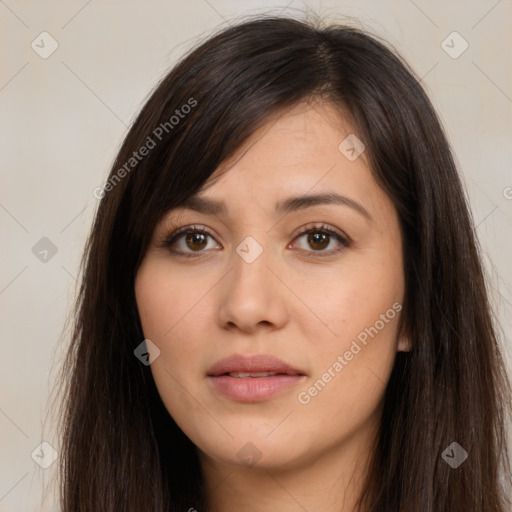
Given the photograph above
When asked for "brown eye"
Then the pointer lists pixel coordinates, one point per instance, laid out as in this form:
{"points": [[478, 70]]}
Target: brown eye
{"points": [[318, 241], [189, 240], [196, 241], [319, 238]]}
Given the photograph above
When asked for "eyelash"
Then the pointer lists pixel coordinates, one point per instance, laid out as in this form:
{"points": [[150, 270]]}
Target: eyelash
{"points": [[345, 242]]}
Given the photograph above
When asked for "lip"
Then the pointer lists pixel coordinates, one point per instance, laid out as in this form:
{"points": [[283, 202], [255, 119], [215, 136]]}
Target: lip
{"points": [[253, 389], [252, 364]]}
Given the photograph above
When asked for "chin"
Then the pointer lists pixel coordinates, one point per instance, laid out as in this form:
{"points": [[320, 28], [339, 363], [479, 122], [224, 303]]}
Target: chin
{"points": [[249, 450]]}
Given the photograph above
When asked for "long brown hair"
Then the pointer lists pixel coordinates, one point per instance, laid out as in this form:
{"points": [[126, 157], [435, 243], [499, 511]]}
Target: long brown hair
{"points": [[121, 449]]}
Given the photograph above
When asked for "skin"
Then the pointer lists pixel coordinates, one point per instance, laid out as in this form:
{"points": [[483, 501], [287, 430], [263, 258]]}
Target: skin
{"points": [[290, 302]]}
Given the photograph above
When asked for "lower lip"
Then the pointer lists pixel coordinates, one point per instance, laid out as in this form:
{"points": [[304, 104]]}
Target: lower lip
{"points": [[253, 389]]}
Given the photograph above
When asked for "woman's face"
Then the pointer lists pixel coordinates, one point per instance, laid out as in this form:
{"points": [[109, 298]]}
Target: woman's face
{"points": [[276, 345]]}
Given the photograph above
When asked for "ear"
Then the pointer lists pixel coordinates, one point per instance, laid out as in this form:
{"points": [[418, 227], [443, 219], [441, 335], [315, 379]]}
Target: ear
{"points": [[404, 344]]}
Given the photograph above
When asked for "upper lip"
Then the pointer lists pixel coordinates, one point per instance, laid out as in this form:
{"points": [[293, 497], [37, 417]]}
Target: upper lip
{"points": [[252, 364]]}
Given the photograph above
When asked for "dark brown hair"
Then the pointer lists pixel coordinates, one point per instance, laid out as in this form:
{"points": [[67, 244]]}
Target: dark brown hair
{"points": [[121, 449]]}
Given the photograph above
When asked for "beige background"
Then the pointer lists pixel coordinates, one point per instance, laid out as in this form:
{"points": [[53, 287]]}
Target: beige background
{"points": [[64, 117]]}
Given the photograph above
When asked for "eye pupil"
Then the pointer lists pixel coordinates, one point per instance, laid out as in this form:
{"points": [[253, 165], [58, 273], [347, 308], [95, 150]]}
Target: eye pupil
{"points": [[318, 238], [196, 238]]}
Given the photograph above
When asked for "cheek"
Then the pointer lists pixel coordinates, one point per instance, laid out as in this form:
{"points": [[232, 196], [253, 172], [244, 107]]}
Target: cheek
{"points": [[353, 298], [166, 301], [354, 357], [352, 369], [172, 321]]}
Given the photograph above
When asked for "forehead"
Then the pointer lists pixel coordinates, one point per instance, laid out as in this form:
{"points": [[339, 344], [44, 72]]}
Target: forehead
{"points": [[308, 130], [297, 153], [292, 169]]}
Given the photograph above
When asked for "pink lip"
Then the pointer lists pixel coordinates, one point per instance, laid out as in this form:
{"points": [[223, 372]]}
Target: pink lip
{"points": [[252, 363], [253, 389]]}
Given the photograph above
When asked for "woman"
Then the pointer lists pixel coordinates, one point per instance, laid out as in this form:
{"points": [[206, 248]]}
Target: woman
{"points": [[283, 305]]}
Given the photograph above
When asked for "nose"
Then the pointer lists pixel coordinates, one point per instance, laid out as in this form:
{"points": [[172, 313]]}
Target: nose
{"points": [[253, 296]]}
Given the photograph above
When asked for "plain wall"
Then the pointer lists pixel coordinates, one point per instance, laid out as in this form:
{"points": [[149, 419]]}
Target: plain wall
{"points": [[63, 118]]}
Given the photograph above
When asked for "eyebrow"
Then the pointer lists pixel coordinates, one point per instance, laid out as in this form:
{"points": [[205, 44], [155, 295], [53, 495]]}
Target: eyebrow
{"points": [[214, 207]]}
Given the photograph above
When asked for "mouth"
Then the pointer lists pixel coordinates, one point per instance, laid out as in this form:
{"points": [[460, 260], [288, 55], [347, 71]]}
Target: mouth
{"points": [[253, 378], [255, 366], [254, 375]]}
